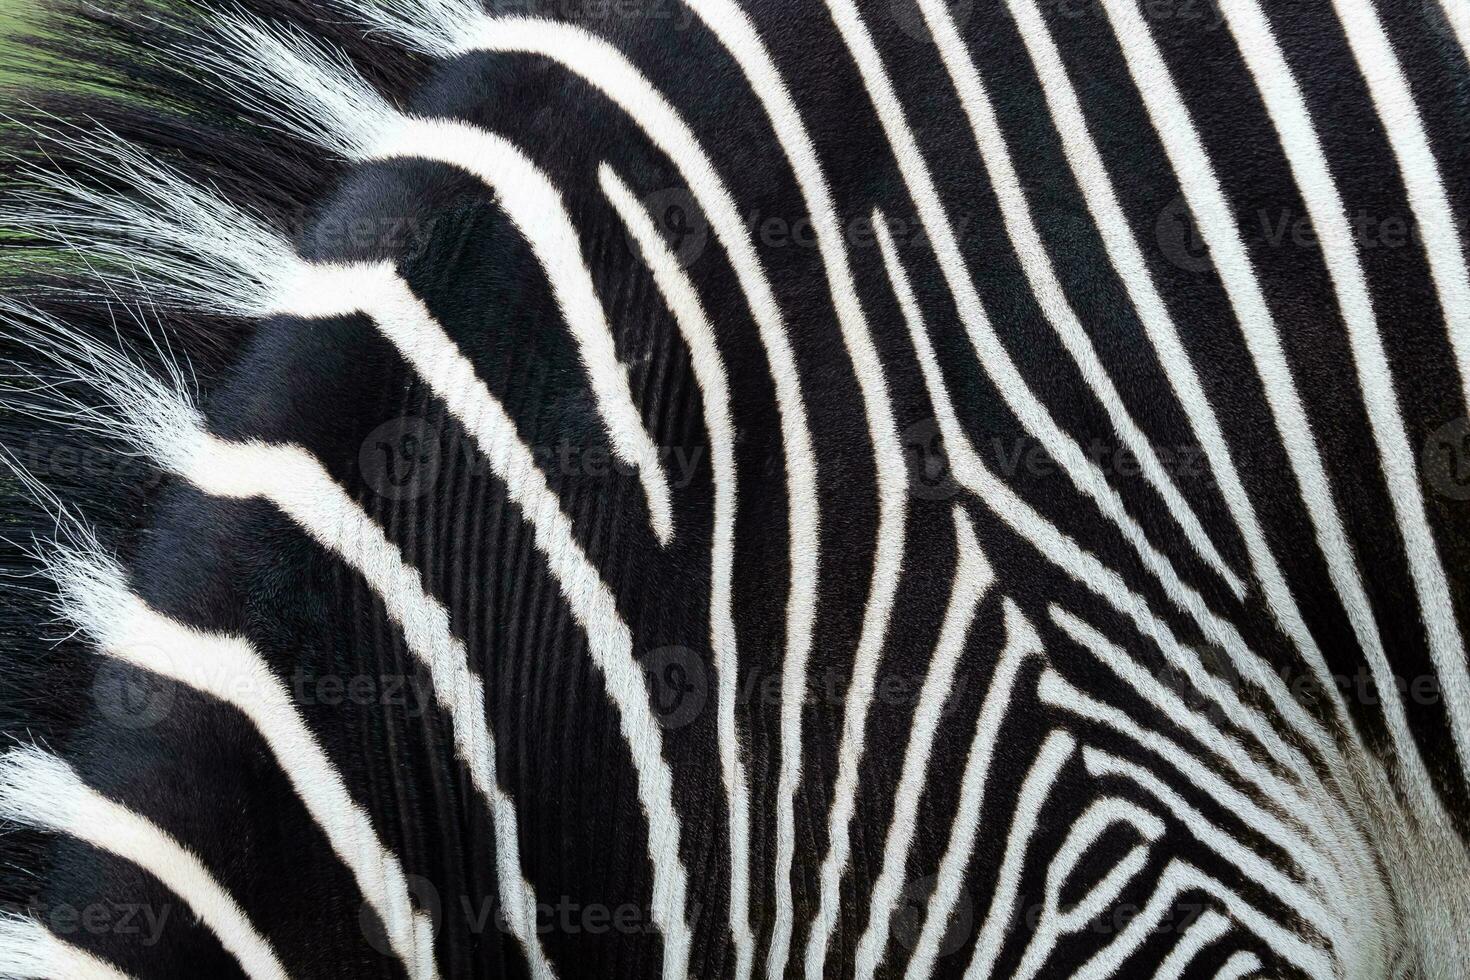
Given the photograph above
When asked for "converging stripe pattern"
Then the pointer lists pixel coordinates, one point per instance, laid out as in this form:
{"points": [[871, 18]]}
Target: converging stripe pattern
{"points": [[727, 488]]}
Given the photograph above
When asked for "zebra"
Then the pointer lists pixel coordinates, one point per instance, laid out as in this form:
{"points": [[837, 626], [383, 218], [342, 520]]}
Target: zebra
{"points": [[721, 488]]}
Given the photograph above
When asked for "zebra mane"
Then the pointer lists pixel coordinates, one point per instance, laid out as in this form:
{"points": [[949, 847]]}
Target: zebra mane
{"points": [[148, 209]]}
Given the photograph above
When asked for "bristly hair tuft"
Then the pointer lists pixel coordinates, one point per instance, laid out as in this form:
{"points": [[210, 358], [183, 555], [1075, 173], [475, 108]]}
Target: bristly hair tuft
{"points": [[147, 208]]}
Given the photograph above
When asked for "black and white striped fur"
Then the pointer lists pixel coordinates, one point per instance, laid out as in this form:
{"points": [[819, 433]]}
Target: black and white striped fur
{"points": [[701, 488]]}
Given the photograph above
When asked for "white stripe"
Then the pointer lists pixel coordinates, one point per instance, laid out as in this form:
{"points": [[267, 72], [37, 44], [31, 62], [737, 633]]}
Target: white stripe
{"points": [[376, 289], [1053, 923], [1092, 176], [1021, 642], [970, 471], [1240, 966], [709, 370], [29, 951], [1127, 259], [1180, 877], [972, 578], [1021, 401], [274, 280], [1433, 216], [1030, 250], [1008, 381], [1209, 928], [1034, 793], [39, 790], [253, 267], [1062, 551], [1086, 830], [1252, 866], [316, 93], [736, 32], [1054, 690], [1309, 167], [318, 96], [295, 481], [96, 597], [1435, 220], [605, 67], [535, 207], [1141, 681], [1212, 213]]}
